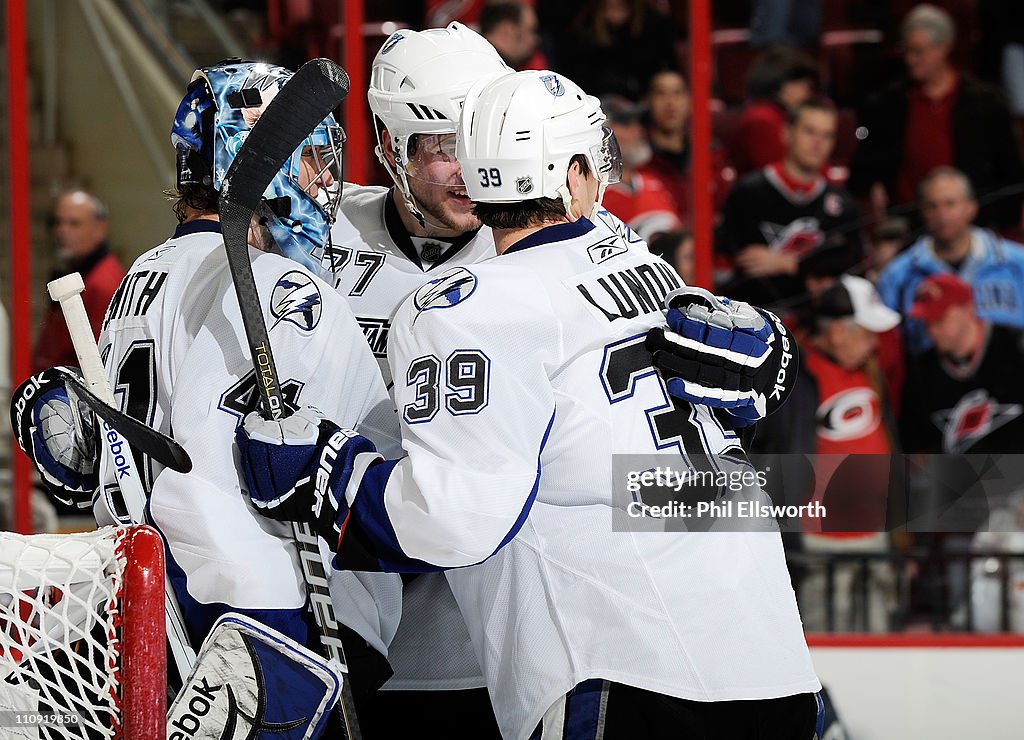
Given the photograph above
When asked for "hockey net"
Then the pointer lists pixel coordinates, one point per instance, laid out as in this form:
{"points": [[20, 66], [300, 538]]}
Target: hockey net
{"points": [[82, 637]]}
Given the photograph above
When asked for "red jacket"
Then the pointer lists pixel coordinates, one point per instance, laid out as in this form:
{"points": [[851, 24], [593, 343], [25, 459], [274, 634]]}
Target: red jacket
{"points": [[102, 273]]}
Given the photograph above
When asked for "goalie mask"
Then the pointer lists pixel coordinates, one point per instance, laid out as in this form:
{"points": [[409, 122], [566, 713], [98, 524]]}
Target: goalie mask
{"points": [[222, 104], [520, 132], [417, 84]]}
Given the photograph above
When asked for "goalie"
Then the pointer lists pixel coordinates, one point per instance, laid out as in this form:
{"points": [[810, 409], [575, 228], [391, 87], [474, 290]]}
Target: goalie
{"points": [[175, 353]]}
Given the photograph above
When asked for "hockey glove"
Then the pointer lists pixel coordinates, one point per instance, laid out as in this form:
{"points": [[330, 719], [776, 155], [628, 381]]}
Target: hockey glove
{"points": [[723, 353], [58, 433], [298, 468]]}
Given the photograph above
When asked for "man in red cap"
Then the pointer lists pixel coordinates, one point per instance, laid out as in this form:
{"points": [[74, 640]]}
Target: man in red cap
{"points": [[962, 398], [962, 395]]}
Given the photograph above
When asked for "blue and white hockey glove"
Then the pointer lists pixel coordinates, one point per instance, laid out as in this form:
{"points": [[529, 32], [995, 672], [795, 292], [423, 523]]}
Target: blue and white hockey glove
{"points": [[298, 468], [723, 353], [58, 433]]}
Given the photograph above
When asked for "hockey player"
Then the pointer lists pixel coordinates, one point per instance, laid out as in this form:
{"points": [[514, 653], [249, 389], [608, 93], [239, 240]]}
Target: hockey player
{"points": [[386, 242], [177, 357], [518, 380]]}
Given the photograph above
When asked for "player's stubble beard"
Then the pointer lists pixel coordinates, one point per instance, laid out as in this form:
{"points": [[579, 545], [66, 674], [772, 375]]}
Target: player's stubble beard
{"points": [[442, 210]]}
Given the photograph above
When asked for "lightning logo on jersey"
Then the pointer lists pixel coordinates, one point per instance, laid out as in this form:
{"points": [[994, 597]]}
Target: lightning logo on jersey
{"points": [[296, 299], [450, 289]]}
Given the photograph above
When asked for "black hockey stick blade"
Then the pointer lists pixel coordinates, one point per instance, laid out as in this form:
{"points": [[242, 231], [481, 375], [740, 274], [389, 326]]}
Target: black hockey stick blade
{"points": [[144, 438], [302, 103]]}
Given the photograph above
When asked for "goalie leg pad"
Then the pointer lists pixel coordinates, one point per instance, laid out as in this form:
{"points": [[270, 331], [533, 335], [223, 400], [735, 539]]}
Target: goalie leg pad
{"points": [[250, 681]]}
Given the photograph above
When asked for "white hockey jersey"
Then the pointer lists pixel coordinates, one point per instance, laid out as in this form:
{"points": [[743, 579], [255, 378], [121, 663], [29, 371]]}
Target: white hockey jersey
{"points": [[520, 381], [375, 265], [177, 358]]}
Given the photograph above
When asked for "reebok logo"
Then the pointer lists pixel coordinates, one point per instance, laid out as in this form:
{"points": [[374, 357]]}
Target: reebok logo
{"points": [[189, 724], [34, 384], [116, 446], [782, 377], [605, 250]]}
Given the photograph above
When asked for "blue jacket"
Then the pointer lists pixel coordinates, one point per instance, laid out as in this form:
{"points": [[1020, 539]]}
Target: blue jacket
{"points": [[994, 268]]}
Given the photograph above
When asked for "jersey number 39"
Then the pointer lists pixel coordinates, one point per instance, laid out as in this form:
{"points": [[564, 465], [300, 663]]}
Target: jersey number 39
{"points": [[466, 375]]}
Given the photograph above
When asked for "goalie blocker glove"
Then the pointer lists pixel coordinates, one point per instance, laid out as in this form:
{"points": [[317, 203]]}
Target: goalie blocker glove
{"points": [[299, 468], [58, 433], [723, 353]]}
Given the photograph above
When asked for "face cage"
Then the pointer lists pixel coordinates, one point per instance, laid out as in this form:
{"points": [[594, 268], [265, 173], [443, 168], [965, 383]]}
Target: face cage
{"points": [[323, 150], [607, 158]]}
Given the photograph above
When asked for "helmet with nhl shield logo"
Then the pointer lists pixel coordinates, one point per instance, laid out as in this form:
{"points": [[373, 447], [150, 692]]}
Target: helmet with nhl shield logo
{"points": [[519, 133]]}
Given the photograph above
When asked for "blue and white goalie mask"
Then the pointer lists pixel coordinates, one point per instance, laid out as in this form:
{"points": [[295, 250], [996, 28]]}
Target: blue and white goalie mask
{"points": [[222, 105]]}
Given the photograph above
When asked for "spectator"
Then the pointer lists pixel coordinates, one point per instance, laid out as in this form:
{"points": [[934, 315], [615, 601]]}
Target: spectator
{"points": [[994, 267], [822, 267], [669, 107], [616, 46], [639, 199], [778, 82], [819, 271], [888, 241], [937, 117], [679, 250], [961, 396], [511, 27], [964, 394], [774, 217], [668, 128], [839, 412], [79, 227]]}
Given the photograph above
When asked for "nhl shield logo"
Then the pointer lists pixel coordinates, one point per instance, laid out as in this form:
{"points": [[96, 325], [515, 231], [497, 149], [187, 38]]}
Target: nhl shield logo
{"points": [[553, 84], [524, 185]]}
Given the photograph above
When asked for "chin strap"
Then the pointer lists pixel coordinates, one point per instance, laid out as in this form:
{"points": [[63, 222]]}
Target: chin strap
{"points": [[401, 181], [600, 199], [563, 191]]}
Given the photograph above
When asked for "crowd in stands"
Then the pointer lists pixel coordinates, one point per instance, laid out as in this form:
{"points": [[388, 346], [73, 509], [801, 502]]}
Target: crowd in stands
{"points": [[868, 180]]}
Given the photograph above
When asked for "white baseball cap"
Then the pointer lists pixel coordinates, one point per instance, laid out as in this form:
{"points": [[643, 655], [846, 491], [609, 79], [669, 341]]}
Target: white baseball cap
{"points": [[856, 298]]}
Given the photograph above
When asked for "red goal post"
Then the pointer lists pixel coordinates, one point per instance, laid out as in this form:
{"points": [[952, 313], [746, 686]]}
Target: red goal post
{"points": [[82, 636]]}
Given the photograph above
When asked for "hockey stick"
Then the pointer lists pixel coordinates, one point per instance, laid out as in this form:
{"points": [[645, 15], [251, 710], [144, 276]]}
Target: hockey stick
{"points": [[143, 437], [66, 291], [305, 100]]}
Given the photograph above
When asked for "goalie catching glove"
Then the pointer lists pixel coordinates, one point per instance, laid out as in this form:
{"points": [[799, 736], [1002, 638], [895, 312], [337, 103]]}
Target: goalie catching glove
{"points": [[299, 468], [723, 353], [58, 433]]}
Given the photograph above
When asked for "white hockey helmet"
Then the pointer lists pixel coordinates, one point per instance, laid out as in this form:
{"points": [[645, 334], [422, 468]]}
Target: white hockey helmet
{"points": [[520, 131], [417, 84]]}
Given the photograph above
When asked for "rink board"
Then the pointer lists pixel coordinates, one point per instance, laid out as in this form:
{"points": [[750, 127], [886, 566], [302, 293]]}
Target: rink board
{"points": [[927, 686]]}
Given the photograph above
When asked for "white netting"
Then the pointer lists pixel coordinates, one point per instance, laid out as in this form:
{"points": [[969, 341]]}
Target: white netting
{"points": [[60, 602]]}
